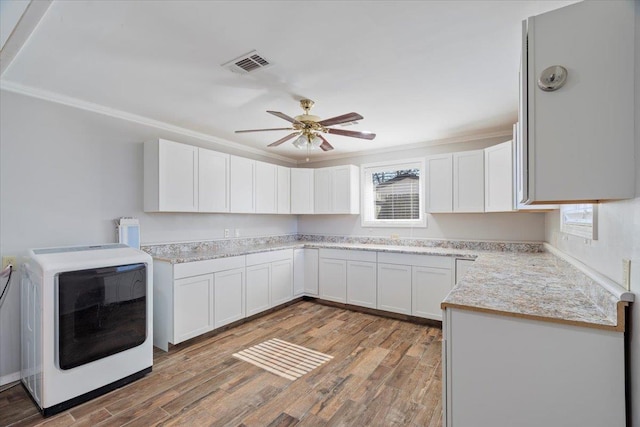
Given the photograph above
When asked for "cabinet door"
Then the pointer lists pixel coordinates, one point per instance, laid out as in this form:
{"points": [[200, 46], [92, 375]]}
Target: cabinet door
{"points": [[575, 150], [394, 288], [281, 282], [298, 271], [429, 287], [284, 190], [498, 178], [311, 259], [241, 187], [332, 275], [266, 188], [178, 177], [213, 181], [468, 181], [229, 296], [322, 192], [345, 190], [258, 288], [361, 283], [302, 191], [439, 183], [193, 307]]}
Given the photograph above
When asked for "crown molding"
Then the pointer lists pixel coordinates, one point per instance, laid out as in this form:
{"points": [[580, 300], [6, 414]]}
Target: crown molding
{"points": [[134, 118], [506, 133]]}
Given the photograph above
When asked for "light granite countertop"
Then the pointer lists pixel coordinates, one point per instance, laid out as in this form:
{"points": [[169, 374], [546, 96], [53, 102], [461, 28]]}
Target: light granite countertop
{"points": [[202, 255], [535, 285]]}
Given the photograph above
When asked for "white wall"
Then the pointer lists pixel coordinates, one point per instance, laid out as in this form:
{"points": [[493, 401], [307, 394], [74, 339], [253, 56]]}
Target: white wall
{"points": [[618, 238], [514, 226], [67, 174]]}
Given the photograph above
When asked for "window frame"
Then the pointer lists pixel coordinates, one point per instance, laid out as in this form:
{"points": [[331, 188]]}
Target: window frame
{"points": [[366, 194], [586, 230]]}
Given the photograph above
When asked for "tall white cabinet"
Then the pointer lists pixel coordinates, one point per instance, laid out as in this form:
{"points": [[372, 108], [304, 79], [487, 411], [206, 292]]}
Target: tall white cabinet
{"points": [[578, 140], [337, 190], [455, 182]]}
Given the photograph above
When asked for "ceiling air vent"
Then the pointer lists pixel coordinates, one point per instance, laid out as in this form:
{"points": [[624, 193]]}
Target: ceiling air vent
{"points": [[247, 63]]}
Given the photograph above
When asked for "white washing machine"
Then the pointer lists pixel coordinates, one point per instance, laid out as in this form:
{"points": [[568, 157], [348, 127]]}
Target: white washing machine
{"points": [[86, 322]]}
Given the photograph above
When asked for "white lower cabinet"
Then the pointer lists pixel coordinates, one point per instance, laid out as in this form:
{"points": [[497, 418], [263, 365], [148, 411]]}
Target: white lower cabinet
{"points": [[193, 307], [332, 279], [258, 288], [430, 286], [394, 288], [504, 371], [229, 296], [361, 283], [281, 281], [305, 272]]}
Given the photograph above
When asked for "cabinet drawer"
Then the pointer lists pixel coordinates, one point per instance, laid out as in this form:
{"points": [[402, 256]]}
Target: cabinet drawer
{"points": [[270, 256], [195, 268], [418, 260], [334, 253]]}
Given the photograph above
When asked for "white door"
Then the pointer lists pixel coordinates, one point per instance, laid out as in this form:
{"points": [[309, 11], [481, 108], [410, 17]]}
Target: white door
{"points": [[322, 191], [332, 274], [341, 190], [394, 288], [361, 283], [311, 271], [229, 296], [284, 190], [302, 189], [241, 189], [281, 281], [178, 177], [439, 183], [498, 174], [429, 286], [213, 181], [468, 181], [298, 271], [192, 307], [258, 288], [266, 187]]}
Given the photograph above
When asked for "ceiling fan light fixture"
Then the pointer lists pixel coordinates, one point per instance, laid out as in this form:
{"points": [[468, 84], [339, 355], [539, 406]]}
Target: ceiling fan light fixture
{"points": [[300, 142], [315, 141]]}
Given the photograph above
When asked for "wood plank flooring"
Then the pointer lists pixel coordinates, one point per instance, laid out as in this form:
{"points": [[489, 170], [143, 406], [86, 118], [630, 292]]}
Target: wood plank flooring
{"points": [[384, 372]]}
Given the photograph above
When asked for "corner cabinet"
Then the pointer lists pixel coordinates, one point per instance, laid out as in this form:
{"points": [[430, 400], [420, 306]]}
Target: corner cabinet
{"points": [[577, 141], [337, 190]]}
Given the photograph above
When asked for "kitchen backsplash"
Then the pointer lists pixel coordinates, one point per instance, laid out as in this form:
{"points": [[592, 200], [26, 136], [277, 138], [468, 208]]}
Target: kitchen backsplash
{"points": [[227, 244]]}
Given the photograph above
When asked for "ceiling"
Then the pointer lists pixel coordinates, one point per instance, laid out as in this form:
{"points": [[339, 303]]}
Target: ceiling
{"points": [[418, 71]]}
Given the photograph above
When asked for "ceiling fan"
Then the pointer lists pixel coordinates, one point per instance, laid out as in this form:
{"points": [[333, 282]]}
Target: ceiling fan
{"points": [[309, 128]]}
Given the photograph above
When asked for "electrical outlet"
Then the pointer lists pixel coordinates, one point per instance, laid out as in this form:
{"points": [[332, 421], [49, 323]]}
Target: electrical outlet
{"points": [[395, 236], [226, 232], [237, 232], [626, 274], [6, 260]]}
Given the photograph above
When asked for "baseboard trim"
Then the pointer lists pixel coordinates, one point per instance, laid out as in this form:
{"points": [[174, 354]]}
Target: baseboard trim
{"points": [[6, 379]]}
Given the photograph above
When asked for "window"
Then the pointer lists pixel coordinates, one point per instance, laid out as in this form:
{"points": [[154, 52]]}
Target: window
{"points": [[392, 194], [579, 220]]}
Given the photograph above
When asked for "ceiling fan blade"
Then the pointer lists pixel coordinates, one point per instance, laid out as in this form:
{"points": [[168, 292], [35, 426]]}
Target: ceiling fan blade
{"points": [[261, 130], [352, 133], [285, 117], [349, 117], [325, 146], [285, 139]]}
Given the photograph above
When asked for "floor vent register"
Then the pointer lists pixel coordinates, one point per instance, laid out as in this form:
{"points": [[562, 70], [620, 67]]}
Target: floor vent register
{"points": [[282, 358]]}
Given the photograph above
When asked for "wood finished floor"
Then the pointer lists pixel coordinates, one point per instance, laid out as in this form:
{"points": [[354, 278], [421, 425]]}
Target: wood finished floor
{"points": [[384, 372]]}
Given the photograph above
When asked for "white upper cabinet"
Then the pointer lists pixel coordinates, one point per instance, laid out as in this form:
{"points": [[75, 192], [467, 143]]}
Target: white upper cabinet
{"points": [[302, 188], [170, 177], [468, 181], [284, 190], [337, 190], [498, 177], [439, 183], [241, 186], [578, 140], [266, 187], [213, 181]]}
